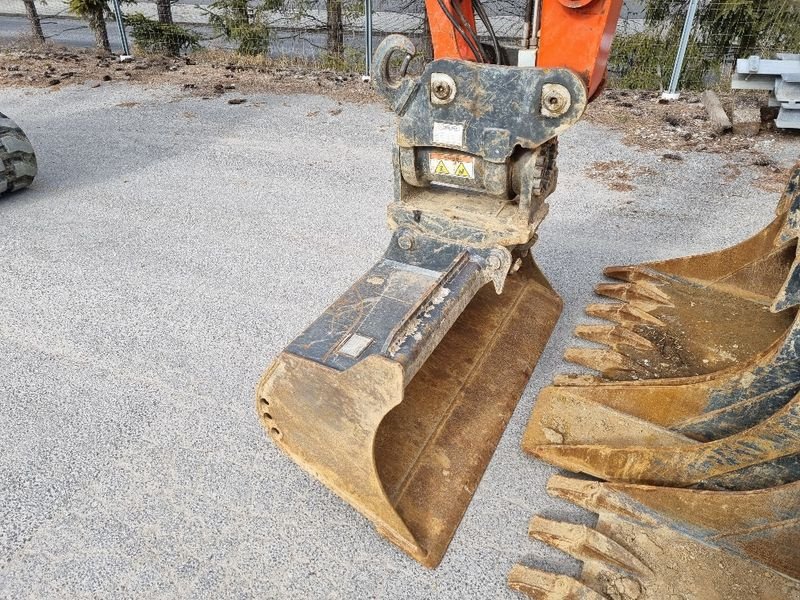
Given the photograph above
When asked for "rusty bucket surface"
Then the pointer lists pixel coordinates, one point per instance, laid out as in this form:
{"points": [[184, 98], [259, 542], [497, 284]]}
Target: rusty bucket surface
{"points": [[698, 315], [699, 376], [657, 543], [403, 426]]}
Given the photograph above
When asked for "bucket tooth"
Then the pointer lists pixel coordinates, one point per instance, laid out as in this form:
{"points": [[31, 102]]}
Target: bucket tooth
{"points": [[625, 314], [743, 542], [635, 274], [609, 362], [724, 416], [643, 295], [585, 543], [541, 585], [594, 496], [615, 337], [396, 397], [574, 379], [570, 416]]}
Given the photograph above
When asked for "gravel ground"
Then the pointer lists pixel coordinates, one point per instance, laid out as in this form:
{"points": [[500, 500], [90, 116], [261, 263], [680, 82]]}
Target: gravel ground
{"points": [[168, 250]]}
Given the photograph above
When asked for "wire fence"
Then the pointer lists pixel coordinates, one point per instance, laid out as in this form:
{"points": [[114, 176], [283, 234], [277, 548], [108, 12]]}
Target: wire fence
{"points": [[332, 32], [644, 52]]}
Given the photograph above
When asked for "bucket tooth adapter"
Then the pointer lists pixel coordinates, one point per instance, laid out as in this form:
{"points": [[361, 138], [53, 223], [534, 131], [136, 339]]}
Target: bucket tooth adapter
{"points": [[17, 160], [652, 543], [699, 380], [396, 397]]}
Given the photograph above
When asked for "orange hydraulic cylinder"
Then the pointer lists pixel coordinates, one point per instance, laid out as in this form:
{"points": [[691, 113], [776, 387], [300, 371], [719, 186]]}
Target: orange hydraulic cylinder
{"points": [[577, 34]]}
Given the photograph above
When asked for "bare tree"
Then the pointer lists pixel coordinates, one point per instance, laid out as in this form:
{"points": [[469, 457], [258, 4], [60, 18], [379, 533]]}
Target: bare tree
{"points": [[335, 28], [164, 9], [94, 11], [33, 17]]}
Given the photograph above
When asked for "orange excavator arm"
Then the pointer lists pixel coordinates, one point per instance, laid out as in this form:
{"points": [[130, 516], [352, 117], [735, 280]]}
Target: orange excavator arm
{"points": [[452, 39], [573, 34]]}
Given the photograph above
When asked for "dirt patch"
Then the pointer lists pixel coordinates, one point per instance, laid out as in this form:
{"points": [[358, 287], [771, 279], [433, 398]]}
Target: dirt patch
{"points": [[681, 125], [730, 172], [770, 177], [759, 169], [617, 175], [206, 74]]}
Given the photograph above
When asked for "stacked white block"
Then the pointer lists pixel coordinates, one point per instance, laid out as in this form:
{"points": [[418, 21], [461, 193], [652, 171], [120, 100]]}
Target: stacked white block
{"points": [[781, 77]]}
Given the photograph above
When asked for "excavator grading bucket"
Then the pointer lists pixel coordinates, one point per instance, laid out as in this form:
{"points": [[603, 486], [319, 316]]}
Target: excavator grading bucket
{"points": [[653, 543], [699, 382], [395, 416], [396, 397]]}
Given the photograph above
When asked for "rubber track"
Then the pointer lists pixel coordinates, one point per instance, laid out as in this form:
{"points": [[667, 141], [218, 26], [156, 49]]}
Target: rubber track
{"points": [[17, 159]]}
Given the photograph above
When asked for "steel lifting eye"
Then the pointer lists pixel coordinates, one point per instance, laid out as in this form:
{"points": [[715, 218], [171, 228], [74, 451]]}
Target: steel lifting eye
{"points": [[391, 76], [392, 60]]}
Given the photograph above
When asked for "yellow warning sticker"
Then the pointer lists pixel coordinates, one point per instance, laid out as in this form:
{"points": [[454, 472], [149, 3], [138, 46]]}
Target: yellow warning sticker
{"points": [[441, 169], [461, 171], [452, 165]]}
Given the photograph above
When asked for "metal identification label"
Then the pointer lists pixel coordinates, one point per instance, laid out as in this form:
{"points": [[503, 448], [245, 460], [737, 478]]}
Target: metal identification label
{"points": [[452, 165], [448, 134]]}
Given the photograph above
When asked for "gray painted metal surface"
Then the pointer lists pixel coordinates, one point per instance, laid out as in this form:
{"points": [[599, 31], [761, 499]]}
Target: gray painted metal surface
{"points": [[123, 36], [672, 91], [368, 48], [781, 77]]}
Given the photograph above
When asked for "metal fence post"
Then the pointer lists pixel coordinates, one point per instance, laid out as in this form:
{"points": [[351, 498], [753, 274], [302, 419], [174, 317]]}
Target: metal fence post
{"points": [[672, 91], [368, 35], [123, 36]]}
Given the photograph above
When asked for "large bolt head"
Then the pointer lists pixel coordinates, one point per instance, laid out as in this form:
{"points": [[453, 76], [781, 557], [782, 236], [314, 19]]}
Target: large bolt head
{"points": [[405, 241], [556, 100], [494, 262], [442, 90]]}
